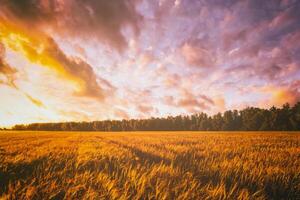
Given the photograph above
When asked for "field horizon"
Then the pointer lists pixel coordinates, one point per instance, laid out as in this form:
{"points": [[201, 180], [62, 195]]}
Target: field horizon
{"points": [[285, 118], [149, 165]]}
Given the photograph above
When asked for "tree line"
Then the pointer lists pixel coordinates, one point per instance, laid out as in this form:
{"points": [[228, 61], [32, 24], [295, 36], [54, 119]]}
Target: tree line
{"points": [[286, 118]]}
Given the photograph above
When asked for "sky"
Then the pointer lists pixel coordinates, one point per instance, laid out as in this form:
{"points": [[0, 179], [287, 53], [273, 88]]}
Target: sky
{"points": [[72, 60]]}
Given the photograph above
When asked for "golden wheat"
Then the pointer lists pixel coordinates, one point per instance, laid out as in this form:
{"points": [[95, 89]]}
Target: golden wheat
{"points": [[149, 165]]}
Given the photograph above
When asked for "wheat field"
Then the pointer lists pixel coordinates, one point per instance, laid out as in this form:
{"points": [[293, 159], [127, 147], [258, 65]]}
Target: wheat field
{"points": [[149, 165]]}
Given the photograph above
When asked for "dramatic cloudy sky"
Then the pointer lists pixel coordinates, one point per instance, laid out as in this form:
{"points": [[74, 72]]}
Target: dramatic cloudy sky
{"points": [[75, 60]]}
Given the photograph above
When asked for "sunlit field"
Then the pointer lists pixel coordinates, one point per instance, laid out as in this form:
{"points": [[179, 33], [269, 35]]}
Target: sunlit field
{"points": [[149, 165]]}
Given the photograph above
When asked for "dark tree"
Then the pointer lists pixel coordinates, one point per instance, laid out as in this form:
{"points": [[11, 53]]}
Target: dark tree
{"points": [[249, 119]]}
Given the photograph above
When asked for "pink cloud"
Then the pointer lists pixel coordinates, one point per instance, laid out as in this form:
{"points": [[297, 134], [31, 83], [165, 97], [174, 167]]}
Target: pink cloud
{"points": [[292, 40], [197, 56], [282, 19], [121, 114]]}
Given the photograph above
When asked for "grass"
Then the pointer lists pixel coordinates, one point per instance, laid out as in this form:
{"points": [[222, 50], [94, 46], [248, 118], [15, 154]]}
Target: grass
{"points": [[149, 165]]}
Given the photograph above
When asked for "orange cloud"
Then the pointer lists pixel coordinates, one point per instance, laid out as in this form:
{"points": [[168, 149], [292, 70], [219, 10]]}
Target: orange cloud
{"points": [[121, 114], [36, 102], [281, 95], [40, 49], [5, 69], [220, 103]]}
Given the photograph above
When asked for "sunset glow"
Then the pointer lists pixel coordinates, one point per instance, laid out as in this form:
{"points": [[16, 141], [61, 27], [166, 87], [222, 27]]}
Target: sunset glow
{"points": [[94, 60]]}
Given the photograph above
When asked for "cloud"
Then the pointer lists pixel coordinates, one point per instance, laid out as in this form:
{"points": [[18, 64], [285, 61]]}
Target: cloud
{"points": [[5, 69], [235, 36], [283, 19], [190, 102], [145, 109], [220, 103], [292, 40], [41, 49], [35, 101], [169, 100], [121, 114], [170, 80], [80, 70], [207, 99], [189, 55], [146, 59], [192, 105], [196, 55], [99, 19], [279, 95], [9, 73]]}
